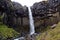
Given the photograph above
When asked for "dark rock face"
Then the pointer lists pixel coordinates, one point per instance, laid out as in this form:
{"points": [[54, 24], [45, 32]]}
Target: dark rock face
{"points": [[25, 8], [5, 7], [40, 9], [18, 9], [6, 4], [17, 18], [46, 13]]}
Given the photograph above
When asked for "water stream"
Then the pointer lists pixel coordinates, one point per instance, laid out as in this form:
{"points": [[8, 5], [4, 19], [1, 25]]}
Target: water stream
{"points": [[31, 21]]}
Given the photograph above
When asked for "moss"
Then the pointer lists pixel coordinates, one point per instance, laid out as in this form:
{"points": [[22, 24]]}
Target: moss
{"points": [[6, 32], [50, 34]]}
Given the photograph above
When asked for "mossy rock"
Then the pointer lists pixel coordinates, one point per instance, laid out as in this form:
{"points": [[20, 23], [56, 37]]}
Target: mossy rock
{"points": [[6, 32]]}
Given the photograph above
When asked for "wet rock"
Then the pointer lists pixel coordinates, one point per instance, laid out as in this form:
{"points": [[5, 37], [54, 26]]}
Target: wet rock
{"points": [[31, 37], [53, 26], [21, 38]]}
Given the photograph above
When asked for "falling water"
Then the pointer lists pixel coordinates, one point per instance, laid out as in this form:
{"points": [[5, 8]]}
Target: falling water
{"points": [[31, 21]]}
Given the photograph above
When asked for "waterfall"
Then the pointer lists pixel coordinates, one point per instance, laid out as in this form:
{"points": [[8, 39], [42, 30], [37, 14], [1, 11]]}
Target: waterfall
{"points": [[31, 21]]}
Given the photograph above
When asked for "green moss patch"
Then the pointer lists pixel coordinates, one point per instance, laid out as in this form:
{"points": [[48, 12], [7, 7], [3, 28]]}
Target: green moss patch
{"points": [[6, 32]]}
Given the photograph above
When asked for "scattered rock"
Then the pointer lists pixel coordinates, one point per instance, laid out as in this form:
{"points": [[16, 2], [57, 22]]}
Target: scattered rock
{"points": [[21, 38], [53, 26]]}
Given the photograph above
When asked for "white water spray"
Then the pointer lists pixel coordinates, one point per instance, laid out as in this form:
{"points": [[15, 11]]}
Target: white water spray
{"points": [[32, 28]]}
